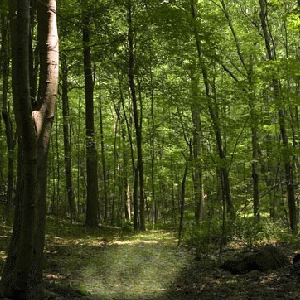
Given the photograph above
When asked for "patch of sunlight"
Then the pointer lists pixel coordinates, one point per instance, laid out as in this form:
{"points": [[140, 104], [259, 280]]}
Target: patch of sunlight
{"points": [[140, 267], [55, 277], [96, 242], [133, 242], [3, 255]]}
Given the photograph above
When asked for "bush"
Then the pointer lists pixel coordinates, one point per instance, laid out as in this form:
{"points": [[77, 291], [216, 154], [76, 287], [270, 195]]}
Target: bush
{"points": [[247, 230], [127, 227], [205, 237]]}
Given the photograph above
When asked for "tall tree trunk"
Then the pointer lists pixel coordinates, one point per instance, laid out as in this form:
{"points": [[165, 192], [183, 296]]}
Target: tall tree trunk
{"points": [[182, 196], [255, 156], [288, 168], [17, 282], [44, 115], [56, 156], [152, 147], [197, 148], [78, 148], [115, 154], [67, 136], [252, 101], [225, 183], [124, 198], [103, 164], [126, 187], [197, 167], [33, 56], [137, 122], [92, 207], [136, 220], [126, 190], [134, 169], [6, 115]]}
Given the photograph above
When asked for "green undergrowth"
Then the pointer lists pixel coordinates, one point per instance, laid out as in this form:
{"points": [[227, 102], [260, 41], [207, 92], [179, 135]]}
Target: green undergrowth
{"points": [[117, 263], [109, 262], [142, 266], [208, 236]]}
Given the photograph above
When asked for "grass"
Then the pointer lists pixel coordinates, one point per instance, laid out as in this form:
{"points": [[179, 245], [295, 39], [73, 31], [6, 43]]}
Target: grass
{"points": [[142, 266], [111, 264], [107, 263]]}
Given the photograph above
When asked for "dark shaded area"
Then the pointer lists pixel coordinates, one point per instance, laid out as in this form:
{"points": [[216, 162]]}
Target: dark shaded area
{"points": [[262, 259], [296, 259], [205, 280], [202, 279], [59, 292]]}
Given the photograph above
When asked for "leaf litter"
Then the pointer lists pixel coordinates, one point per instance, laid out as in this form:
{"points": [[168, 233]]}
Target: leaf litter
{"points": [[106, 265]]}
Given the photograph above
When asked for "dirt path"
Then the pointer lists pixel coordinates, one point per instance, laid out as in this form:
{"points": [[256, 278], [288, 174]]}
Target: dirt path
{"points": [[92, 264], [151, 266], [139, 268], [144, 266]]}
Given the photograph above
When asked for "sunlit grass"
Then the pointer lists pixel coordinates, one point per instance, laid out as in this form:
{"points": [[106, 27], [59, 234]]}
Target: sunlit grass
{"points": [[109, 264], [143, 266]]}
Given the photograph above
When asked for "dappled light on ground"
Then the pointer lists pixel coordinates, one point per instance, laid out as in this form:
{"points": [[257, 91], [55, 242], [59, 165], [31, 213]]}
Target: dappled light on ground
{"points": [[139, 268], [120, 243], [95, 264]]}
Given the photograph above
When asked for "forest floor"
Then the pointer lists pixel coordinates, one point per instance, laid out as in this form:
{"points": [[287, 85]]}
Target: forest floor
{"points": [[103, 263]]}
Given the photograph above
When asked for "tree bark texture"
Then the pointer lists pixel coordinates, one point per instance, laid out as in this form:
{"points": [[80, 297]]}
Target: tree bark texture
{"points": [[137, 122], [255, 154], [92, 207], [67, 137], [182, 203], [134, 169], [196, 149], [44, 114], [6, 114], [23, 270], [16, 280], [103, 159]]}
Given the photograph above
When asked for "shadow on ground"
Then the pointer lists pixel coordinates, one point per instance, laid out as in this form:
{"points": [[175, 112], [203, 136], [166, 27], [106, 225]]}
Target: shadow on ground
{"points": [[193, 280], [103, 264]]}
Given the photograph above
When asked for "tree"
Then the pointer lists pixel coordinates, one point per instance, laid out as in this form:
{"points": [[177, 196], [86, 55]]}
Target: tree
{"points": [[67, 136], [138, 119], [6, 112], [213, 111], [249, 92], [271, 53], [197, 148], [92, 208], [23, 269], [16, 275]]}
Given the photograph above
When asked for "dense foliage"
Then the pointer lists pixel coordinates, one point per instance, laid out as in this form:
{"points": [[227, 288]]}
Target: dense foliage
{"points": [[246, 128]]}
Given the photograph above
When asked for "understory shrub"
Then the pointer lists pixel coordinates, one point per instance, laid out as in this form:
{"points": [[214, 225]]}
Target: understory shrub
{"points": [[208, 236], [204, 237]]}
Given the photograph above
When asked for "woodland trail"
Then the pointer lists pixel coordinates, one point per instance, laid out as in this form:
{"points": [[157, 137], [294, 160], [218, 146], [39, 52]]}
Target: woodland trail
{"points": [[102, 264], [142, 266], [150, 266]]}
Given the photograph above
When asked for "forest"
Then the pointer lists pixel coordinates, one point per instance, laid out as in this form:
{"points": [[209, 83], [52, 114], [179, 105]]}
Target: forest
{"points": [[147, 137]]}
